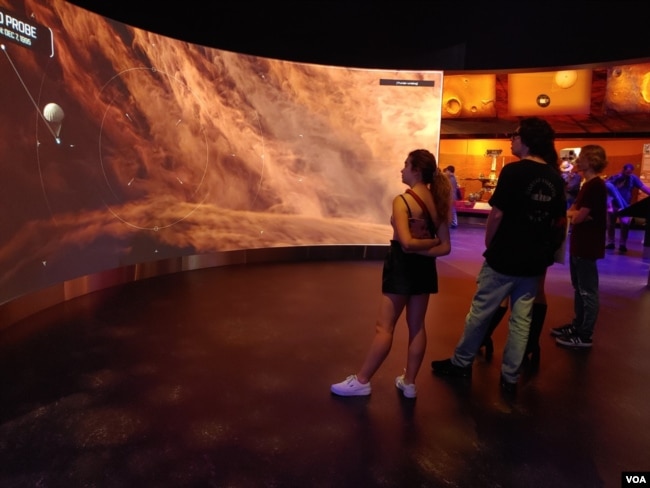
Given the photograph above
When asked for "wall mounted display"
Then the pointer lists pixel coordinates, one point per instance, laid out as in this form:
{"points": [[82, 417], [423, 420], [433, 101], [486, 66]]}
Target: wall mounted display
{"points": [[564, 92], [628, 88], [469, 96], [120, 146]]}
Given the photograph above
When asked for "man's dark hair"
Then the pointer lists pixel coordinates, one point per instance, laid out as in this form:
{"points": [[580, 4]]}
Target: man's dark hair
{"points": [[539, 137]]}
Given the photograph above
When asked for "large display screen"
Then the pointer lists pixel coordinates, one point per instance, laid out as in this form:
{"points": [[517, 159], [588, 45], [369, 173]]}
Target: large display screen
{"points": [[120, 146]]}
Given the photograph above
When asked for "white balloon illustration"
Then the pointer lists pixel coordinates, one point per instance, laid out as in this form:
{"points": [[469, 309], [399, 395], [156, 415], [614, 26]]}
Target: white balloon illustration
{"points": [[54, 114]]}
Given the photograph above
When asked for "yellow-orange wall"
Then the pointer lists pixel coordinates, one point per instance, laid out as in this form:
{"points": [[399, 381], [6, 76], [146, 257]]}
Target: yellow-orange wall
{"points": [[468, 156]]}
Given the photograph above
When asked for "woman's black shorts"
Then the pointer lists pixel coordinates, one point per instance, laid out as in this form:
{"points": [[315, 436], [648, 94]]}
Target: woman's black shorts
{"points": [[408, 274]]}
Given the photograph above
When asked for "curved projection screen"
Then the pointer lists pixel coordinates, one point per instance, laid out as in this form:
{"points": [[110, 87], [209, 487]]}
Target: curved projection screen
{"points": [[119, 146]]}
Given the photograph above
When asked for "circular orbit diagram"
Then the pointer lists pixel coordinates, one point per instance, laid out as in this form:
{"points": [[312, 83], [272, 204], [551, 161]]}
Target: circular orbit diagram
{"points": [[169, 161]]}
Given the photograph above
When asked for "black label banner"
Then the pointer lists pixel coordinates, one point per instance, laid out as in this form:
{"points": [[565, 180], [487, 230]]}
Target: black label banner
{"points": [[25, 33], [386, 82]]}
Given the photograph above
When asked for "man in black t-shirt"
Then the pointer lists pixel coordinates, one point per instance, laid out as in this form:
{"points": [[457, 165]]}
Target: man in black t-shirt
{"points": [[525, 228]]}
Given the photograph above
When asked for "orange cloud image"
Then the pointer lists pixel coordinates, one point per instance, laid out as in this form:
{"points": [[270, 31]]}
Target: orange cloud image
{"points": [[163, 148]]}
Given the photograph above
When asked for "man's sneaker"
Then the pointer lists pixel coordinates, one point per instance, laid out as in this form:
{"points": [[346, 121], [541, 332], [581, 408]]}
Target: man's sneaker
{"points": [[622, 249], [446, 368], [409, 391], [565, 330], [351, 387], [574, 341], [610, 247]]}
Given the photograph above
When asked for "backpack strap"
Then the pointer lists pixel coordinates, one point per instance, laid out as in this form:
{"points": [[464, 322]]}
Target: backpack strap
{"points": [[417, 198], [407, 206]]}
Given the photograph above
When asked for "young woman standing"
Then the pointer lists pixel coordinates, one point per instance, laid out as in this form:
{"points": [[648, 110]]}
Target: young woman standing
{"points": [[420, 221]]}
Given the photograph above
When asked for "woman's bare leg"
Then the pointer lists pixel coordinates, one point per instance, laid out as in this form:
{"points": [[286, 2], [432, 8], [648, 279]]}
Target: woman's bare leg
{"points": [[416, 310], [390, 308]]}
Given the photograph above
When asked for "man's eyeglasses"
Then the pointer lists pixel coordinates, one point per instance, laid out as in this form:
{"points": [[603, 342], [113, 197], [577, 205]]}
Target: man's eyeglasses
{"points": [[514, 134]]}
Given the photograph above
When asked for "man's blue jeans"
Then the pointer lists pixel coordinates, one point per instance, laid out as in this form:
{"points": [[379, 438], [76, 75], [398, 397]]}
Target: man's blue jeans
{"points": [[584, 278], [492, 288]]}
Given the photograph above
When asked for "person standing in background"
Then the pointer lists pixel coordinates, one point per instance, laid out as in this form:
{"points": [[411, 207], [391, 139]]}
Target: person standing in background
{"points": [[572, 180], [450, 171], [588, 218], [620, 187]]}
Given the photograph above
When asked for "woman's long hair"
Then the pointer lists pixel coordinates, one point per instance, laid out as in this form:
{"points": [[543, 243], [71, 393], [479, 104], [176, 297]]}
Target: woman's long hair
{"points": [[438, 183]]}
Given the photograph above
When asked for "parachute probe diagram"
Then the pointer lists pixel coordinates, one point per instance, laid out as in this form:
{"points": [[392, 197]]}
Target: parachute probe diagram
{"points": [[54, 115]]}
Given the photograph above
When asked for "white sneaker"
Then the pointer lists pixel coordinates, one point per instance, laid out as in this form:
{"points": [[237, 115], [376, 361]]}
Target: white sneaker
{"points": [[409, 391], [351, 387]]}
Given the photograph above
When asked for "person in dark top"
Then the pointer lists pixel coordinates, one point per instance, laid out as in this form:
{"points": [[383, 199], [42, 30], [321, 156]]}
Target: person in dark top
{"points": [[409, 275], [620, 187], [524, 229], [586, 245]]}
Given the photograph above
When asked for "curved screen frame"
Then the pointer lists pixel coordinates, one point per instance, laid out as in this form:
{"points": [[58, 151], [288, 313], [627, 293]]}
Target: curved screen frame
{"points": [[122, 147]]}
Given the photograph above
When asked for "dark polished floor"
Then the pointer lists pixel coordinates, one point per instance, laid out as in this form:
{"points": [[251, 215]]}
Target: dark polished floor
{"points": [[220, 377]]}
